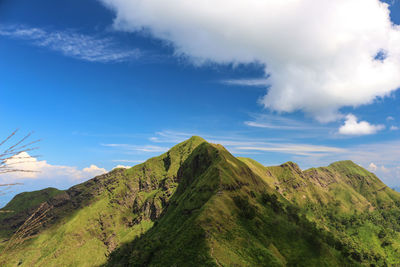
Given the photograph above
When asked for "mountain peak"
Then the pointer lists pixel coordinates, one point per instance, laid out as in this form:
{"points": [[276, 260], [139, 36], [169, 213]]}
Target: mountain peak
{"points": [[196, 138], [190, 143], [349, 167], [192, 198], [344, 163]]}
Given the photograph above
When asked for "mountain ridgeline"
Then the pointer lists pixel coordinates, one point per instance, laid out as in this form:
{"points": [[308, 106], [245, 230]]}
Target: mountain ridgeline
{"points": [[198, 205]]}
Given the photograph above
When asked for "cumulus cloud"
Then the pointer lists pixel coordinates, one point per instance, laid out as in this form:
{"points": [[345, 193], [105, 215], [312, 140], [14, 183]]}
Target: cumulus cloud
{"points": [[353, 127], [318, 55], [87, 173], [372, 167], [72, 44], [379, 169], [40, 169]]}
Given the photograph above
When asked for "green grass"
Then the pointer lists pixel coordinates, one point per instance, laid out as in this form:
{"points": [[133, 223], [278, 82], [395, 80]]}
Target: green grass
{"points": [[27, 200], [217, 217], [100, 214], [197, 205]]}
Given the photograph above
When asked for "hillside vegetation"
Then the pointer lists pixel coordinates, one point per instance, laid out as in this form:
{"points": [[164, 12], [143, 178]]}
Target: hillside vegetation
{"points": [[198, 205]]}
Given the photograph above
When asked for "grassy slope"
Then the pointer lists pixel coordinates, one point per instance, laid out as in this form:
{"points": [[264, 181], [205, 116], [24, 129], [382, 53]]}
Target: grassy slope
{"points": [[348, 201], [198, 205], [224, 214], [28, 200], [96, 216], [19, 208]]}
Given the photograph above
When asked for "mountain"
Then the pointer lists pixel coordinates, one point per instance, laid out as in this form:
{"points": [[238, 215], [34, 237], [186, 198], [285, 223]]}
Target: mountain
{"points": [[199, 205]]}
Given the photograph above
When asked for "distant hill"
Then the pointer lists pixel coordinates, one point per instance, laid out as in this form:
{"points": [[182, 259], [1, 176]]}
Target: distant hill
{"points": [[198, 205]]}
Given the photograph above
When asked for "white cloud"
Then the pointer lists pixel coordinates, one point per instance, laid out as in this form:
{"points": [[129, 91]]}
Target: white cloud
{"points": [[122, 166], [92, 171], [353, 127], [319, 55], [372, 167], [381, 169], [40, 169], [394, 128], [384, 169], [72, 44]]}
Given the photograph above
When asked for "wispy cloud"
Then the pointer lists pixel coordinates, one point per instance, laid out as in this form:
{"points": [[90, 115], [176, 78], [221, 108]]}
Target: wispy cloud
{"points": [[385, 155], [72, 44], [307, 154], [260, 82], [170, 137], [228, 139], [296, 149], [127, 160], [390, 118], [242, 145], [137, 148], [280, 123]]}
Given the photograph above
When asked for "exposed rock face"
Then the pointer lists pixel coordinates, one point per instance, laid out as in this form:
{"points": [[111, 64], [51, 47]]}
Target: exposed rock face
{"points": [[207, 208], [60, 200], [293, 166], [323, 179]]}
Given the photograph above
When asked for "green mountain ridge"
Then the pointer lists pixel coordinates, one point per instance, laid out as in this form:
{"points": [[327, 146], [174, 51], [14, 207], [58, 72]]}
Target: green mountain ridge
{"points": [[199, 205]]}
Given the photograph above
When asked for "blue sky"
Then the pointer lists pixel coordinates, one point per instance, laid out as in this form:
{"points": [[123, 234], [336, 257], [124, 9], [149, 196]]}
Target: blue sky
{"points": [[103, 88]]}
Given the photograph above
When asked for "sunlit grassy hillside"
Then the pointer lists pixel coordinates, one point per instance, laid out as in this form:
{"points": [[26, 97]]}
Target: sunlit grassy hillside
{"points": [[198, 205]]}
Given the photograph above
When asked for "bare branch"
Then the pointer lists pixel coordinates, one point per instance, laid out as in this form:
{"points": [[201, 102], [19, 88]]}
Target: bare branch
{"points": [[11, 184], [11, 159], [11, 135], [11, 148]]}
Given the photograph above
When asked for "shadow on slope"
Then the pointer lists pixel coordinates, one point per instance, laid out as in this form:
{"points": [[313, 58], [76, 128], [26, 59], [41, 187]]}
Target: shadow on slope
{"points": [[222, 214], [91, 219]]}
